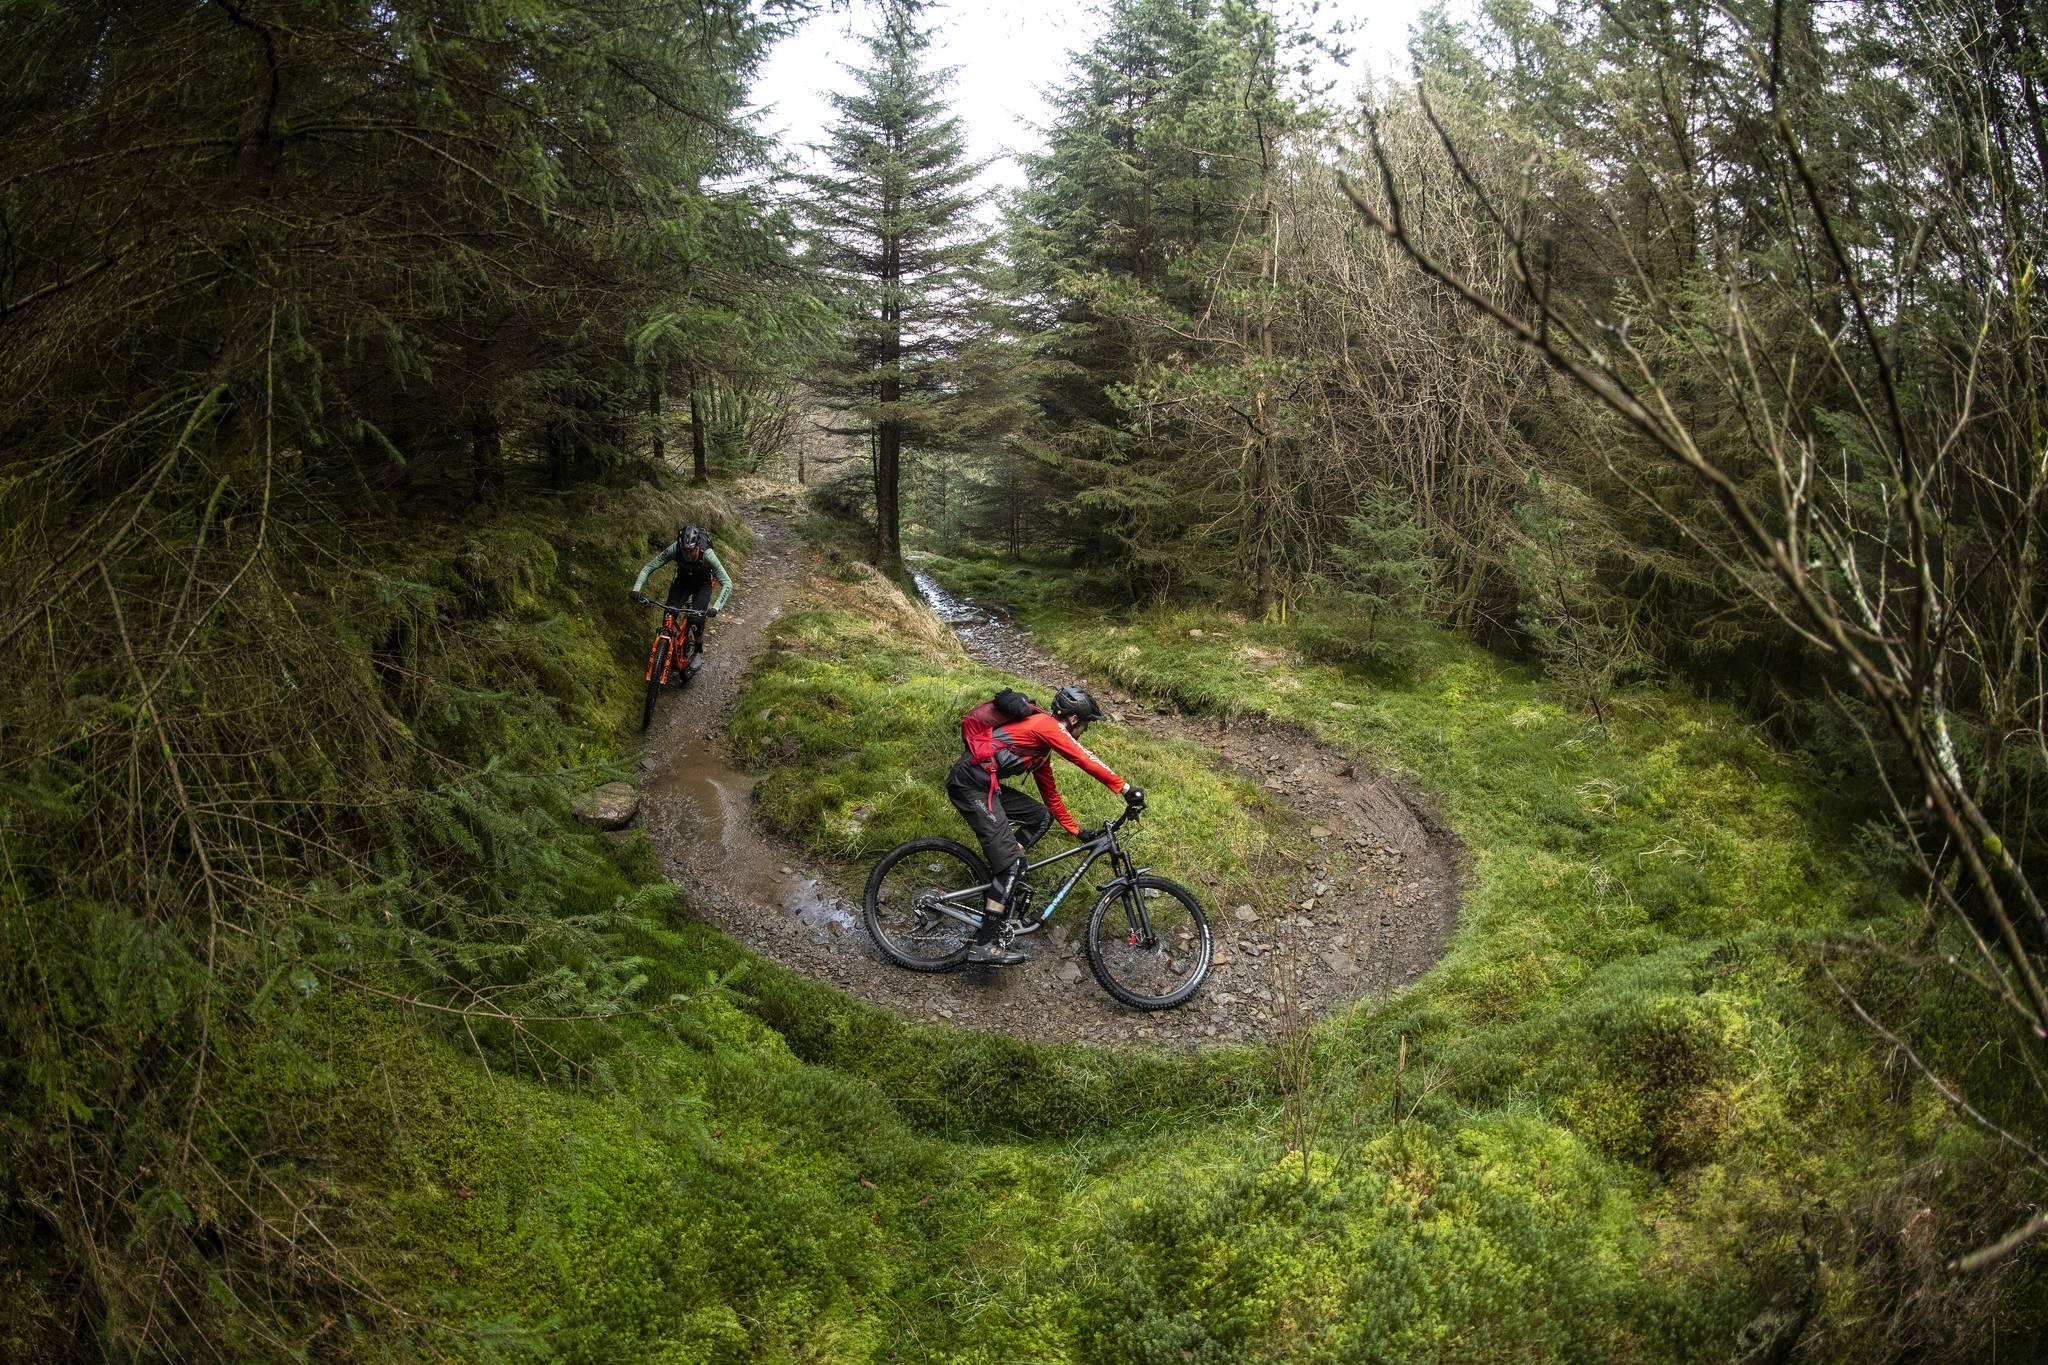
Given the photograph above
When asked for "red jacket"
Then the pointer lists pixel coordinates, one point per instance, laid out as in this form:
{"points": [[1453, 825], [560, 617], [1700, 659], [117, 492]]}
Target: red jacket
{"points": [[1027, 746]]}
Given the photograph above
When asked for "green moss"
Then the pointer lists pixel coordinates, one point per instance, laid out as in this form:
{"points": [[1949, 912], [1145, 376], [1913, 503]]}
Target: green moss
{"points": [[1627, 1118], [1644, 910]]}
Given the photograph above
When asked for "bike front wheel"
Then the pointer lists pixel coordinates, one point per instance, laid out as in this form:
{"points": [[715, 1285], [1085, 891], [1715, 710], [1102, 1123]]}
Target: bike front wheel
{"points": [[902, 905], [657, 668], [1148, 943]]}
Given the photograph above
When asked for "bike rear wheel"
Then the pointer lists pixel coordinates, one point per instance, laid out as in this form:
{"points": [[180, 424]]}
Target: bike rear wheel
{"points": [[1148, 943], [657, 666], [900, 903]]}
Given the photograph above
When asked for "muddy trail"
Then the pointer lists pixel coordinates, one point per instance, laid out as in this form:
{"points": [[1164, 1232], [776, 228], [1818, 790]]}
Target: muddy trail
{"points": [[1368, 911]]}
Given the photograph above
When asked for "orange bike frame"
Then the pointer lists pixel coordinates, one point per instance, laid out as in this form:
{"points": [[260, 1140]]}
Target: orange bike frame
{"points": [[675, 635]]}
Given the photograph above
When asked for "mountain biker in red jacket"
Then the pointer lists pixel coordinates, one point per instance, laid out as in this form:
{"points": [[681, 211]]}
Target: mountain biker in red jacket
{"points": [[991, 809]]}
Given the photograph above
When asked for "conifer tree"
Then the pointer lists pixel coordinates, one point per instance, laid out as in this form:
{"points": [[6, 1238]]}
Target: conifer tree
{"points": [[282, 287], [1117, 200], [896, 237]]}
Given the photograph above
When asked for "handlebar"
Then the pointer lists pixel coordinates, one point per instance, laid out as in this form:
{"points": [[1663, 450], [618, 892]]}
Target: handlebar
{"points": [[687, 613]]}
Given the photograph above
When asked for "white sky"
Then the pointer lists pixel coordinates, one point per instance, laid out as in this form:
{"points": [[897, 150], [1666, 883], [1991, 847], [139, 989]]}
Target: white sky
{"points": [[1007, 52]]}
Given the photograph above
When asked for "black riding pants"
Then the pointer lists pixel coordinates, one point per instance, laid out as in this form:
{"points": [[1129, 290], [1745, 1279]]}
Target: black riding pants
{"points": [[1002, 847], [681, 597]]}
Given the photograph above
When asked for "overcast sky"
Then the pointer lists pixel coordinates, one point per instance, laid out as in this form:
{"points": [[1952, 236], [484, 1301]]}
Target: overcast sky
{"points": [[1007, 52]]}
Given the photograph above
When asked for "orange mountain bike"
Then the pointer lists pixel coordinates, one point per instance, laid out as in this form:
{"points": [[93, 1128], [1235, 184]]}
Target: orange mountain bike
{"points": [[673, 657]]}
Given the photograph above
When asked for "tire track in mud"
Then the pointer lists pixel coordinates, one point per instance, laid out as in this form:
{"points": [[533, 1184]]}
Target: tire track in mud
{"points": [[1370, 908]]}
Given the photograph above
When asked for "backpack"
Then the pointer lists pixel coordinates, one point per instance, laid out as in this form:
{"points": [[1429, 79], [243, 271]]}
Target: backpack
{"points": [[978, 729]]}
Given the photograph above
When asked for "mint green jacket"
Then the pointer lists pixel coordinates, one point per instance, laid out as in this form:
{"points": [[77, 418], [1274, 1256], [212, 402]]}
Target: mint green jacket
{"points": [[685, 571]]}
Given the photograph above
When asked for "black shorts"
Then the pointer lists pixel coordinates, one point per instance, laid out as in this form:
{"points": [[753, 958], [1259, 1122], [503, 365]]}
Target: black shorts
{"points": [[1001, 845], [695, 601]]}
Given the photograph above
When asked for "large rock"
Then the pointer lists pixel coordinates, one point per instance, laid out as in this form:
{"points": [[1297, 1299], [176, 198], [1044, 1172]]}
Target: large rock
{"points": [[611, 806]]}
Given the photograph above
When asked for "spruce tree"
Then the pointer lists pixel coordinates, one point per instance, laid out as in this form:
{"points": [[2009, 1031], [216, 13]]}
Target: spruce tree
{"points": [[1116, 201], [1156, 226], [896, 237]]}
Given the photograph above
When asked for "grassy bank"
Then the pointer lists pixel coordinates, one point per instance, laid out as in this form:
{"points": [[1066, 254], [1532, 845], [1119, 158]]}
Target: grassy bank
{"points": [[1636, 1116]]}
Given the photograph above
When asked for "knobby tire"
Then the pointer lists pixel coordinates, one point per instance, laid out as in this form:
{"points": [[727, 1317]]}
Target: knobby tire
{"points": [[920, 942], [1148, 977], [657, 667]]}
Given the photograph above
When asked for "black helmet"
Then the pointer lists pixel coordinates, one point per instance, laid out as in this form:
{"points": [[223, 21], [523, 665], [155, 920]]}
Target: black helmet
{"points": [[1075, 702], [691, 542]]}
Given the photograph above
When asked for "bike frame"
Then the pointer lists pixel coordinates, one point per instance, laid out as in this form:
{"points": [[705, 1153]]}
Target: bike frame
{"points": [[681, 625], [690, 631], [954, 902]]}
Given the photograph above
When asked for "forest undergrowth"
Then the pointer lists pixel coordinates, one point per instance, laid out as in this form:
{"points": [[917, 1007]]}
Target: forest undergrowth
{"points": [[347, 355], [1626, 1118]]}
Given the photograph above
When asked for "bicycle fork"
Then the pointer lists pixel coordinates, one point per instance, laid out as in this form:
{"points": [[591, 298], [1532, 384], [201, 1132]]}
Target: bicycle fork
{"points": [[658, 659], [685, 642], [1139, 934]]}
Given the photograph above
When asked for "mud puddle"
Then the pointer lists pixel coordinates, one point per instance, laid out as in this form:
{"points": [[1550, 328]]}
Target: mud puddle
{"points": [[713, 799]]}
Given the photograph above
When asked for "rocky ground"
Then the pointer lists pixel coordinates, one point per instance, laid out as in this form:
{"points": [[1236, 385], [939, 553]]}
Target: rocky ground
{"points": [[1369, 910]]}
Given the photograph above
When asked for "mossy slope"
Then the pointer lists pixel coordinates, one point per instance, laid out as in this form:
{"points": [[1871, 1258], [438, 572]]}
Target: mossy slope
{"points": [[1627, 1119]]}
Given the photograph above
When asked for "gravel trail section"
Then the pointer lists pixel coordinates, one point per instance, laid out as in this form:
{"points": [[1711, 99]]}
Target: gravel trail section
{"points": [[1369, 910]]}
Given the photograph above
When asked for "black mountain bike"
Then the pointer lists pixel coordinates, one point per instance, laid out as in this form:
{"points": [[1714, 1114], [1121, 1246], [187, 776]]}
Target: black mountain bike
{"points": [[1148, 939], [672, 656]]}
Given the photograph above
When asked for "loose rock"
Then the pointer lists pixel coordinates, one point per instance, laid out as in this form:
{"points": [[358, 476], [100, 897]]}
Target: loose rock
{"points": [[611, 806]]}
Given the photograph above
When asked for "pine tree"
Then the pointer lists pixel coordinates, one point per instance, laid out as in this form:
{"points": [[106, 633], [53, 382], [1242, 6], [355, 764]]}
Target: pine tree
{"points": [[896, 236], [1157, 223], [1117, 200]]}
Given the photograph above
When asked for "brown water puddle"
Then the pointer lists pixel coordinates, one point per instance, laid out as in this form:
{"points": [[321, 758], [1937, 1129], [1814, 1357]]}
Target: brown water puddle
{"points": [[710, 798]]}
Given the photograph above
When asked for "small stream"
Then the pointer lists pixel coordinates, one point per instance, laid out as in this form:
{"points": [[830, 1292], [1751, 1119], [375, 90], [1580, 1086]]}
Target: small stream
{"points": [[984, 632], [954, 611]]}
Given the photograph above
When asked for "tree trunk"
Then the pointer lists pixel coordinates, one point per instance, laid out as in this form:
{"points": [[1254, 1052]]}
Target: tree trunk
{"points": [[701, 468], [486, 455], [889, 433], [558, 453], [1263, 592], [1012, 513], [657, 444], [888, 459]]}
